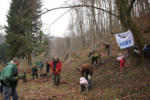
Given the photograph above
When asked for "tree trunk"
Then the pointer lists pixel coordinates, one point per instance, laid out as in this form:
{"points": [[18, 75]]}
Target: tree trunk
{"points": [[127, 23], [110, 17], [29, 59]]}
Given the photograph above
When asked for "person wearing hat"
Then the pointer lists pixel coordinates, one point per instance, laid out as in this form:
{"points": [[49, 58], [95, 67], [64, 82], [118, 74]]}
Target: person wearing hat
{"points": [[9, 77]]}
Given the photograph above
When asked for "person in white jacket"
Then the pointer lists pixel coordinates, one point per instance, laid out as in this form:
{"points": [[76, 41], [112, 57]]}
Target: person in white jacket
{"points": [[83, 84]]}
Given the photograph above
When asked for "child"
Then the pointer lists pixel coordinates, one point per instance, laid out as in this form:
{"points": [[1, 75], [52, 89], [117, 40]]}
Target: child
{"points": [[83, 84], [121, 59]]}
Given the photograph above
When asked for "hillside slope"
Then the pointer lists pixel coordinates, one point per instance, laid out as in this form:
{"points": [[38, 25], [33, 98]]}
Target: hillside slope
{"points": [[133, 83]]}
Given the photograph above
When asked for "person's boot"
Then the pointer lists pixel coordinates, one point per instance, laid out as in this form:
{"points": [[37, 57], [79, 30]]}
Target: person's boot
{"points": [[58, 79], [33, 77], [81, 88]]}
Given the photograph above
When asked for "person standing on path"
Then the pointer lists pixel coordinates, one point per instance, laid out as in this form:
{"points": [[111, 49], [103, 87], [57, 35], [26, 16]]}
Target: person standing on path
{"points": [[56, 66], [47, 66], [34, 72], [9, 77]]}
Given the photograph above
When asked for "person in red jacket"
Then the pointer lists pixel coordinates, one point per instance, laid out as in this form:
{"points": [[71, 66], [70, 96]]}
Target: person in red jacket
{"points": [[56, 66]]}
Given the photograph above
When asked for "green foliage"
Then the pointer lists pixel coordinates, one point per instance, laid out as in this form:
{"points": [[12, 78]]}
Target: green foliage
{"points": [[45, 42], [3, 53], [24, 26]]}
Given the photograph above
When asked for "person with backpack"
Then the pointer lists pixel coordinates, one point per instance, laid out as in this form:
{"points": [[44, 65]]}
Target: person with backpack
{"points": [[56, 67], [34, 72], [9, 76]]}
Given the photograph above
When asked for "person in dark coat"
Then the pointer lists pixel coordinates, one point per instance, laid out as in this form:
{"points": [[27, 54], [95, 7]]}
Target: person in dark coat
{"points": [[34, 72], [107, 48], [47, 66]]}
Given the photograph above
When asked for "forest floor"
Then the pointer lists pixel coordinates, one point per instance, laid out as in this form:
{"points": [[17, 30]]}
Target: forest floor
{"points": [[133, 83]]}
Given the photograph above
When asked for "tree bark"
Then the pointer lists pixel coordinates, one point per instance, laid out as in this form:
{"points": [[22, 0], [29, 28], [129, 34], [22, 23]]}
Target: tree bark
{"points": [[29, 59], [127, 23]]}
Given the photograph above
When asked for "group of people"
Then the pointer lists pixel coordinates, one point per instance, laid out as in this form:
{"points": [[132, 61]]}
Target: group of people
{"points": [[55, 65], [86, 70], [122, 58], [9, 76]]}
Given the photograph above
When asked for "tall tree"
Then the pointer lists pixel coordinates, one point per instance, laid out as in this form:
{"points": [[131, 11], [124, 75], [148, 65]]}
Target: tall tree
{"points": [[24, 25], [3, 53], [125, 7]]}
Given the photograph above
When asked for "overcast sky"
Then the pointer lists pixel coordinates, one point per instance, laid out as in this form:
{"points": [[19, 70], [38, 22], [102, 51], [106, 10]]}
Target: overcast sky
{"points": [[57, 29]]}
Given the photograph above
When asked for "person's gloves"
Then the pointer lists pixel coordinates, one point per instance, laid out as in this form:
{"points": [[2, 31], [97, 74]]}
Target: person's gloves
{"points": [[16, 78], [22, 76]]}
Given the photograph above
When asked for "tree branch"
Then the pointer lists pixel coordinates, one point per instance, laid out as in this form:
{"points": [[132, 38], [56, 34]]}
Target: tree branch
{"points": [[60, 16], [131, 5], [76, 6]]}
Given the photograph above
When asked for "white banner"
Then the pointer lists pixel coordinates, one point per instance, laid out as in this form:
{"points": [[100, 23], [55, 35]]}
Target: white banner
{"points": [[125, 39]]}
